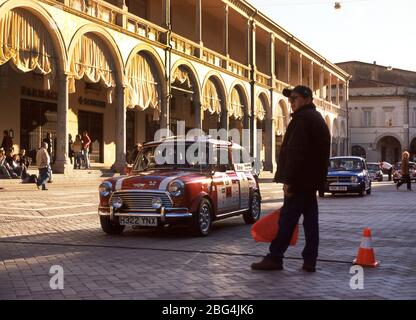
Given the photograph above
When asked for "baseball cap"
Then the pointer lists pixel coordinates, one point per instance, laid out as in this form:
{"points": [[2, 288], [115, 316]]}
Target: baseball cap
{"points": [[302, 90]]}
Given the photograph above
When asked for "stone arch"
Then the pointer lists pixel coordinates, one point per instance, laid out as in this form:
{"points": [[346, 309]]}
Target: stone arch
{"points": [[151, 53], [156, 62], [328, 123], [48, 22], [412, 148], [389, 147], [109, 42], [335, 138], [239, 86], [192, 72], [282, 113], [263, 99], [220, 84], [186, 88]]}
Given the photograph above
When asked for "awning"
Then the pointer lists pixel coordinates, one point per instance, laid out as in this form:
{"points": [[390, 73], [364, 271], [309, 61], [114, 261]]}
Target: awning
{"points": [[142, 88], [27, 44], [91, 60]]}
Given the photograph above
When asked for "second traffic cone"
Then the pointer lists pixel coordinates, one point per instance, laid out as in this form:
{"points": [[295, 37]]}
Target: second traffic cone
{"points": [[365, 255]]}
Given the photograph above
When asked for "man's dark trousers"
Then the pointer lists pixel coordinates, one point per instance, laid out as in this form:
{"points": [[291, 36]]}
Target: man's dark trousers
{"points": [[298, 203], [43, 177]]}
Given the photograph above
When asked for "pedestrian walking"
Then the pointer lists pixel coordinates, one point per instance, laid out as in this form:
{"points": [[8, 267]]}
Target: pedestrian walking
{"points": [[77, 148], [302, 176], [43, 162], [70, 148], [404, 168], [51, 150], [387, 166], [86, 141]]}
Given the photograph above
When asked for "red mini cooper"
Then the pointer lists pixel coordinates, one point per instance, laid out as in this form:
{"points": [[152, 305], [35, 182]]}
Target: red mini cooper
{"points": [[181, 181]]}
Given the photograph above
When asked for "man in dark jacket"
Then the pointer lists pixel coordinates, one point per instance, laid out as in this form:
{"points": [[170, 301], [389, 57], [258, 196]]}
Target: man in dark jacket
{"points": [[302, 168]]}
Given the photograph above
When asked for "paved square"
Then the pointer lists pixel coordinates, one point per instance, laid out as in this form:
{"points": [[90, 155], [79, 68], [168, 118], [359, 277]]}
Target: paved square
{"points": [[60, 227]]}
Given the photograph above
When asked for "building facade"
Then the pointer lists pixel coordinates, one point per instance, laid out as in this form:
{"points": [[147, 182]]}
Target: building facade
{"points": [[122, 69], [382, 109]]}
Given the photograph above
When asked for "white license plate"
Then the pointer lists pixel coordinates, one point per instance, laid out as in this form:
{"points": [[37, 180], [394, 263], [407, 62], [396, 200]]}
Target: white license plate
{"points": [[335, 188], [139, 221]]}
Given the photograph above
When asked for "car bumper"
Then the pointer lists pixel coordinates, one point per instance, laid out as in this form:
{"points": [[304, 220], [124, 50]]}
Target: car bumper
{"points": [[163, 215]]}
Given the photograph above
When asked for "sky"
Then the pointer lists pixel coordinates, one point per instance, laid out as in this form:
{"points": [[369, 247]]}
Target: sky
{"points": [[364, 30]]}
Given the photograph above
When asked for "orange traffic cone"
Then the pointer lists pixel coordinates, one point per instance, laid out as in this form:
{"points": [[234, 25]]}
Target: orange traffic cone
{"points": [[365, 255]]}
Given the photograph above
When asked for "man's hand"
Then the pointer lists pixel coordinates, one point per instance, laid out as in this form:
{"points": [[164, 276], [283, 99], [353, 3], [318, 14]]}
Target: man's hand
{"points": [[286, 189]]}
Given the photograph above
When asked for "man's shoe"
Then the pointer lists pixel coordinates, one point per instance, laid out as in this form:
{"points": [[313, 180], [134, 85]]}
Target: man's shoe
{"points": [[308, 268], [267, 264], [45, 189]]}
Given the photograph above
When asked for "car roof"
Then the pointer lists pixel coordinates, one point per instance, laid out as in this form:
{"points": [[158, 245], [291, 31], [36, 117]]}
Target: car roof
{"points": [[182, 139], [347, 157]]}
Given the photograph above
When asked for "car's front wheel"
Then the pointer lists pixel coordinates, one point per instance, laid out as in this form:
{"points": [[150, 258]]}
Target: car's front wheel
{"points": [[253, 214], [202, 219], [111, 227]]}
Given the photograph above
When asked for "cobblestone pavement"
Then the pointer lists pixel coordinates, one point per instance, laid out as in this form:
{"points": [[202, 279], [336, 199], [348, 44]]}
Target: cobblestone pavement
{"points": [[60, 227]]}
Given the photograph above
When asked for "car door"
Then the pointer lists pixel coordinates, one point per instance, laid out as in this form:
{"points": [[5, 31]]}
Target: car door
{"points": [[226, 184], [239, 158], [367, 177]]}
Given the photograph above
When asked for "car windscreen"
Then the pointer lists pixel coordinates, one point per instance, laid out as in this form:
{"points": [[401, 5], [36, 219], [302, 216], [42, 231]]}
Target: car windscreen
{"points": [[345, 164], [190, 156], [373, 167]]}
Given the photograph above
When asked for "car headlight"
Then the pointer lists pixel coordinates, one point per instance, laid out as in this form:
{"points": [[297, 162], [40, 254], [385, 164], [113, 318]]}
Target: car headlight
{"points": [[105, 188], [354, 179], [116, 202], [157, 203], [176, 188]]}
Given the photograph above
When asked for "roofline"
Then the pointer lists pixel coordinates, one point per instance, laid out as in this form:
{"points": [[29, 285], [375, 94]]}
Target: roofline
{"points": [[377, 65], [291, 38]]}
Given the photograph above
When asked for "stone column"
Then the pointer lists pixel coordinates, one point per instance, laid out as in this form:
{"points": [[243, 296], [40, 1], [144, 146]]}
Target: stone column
{"points": [[330, 88], [311, 76], [300, 70], [272, 58], [288, 63], [120, 130], [253, 46], [337, 91], [198, 114], [321, 83], [62, 164], [226, 31], [166, 21], [198, 26]]}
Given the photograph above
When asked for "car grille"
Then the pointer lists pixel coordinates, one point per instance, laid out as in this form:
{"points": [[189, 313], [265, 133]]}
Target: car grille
{"points": [[338, 179], [141, 201]]}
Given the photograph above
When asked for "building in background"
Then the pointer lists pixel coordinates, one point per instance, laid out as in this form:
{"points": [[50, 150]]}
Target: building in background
{"points": [[122, 69], [382, 111]]}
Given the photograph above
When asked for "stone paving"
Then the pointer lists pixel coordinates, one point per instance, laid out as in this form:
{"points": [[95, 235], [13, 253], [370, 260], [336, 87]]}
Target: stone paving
{"points": [[60, 227]]}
